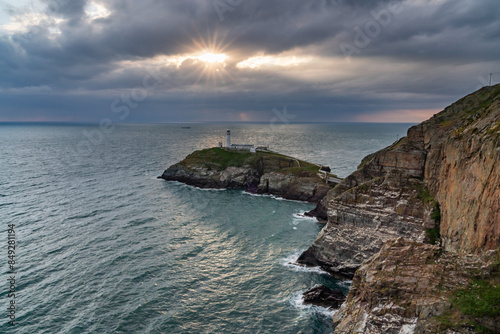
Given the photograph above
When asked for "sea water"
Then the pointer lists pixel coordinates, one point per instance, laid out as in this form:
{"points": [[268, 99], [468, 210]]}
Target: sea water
{"points": [[103, 246]]}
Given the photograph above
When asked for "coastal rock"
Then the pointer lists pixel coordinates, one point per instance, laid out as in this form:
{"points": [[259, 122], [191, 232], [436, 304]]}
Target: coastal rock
{"points": [[303, 188], [321, 295], [447, 167], [440, 185], [231, 177], [407, 288], [378, 202], [463, 170], [264, 172]]}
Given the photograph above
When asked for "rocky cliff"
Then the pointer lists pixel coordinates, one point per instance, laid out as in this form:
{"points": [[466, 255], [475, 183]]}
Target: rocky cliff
{"points": [[439, 185], [410, 287], [261, 172], [382, 200]]}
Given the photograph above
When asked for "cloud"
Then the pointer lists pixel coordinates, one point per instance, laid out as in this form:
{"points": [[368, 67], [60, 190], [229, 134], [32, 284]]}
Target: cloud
{"points": [[76, 56]]}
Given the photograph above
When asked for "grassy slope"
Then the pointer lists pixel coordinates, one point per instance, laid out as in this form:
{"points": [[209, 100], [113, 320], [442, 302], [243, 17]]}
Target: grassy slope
{"points": [[219, 159]]}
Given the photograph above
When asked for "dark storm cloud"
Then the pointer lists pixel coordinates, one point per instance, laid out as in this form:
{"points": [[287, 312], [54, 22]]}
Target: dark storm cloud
{"points": [[68, 8], [445, 45]]}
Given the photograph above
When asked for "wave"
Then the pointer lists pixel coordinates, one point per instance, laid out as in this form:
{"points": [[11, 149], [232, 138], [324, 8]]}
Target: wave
{"points": [[195, 187], [291, 262], [300, 216], [278, 198], [307, 309], [345, 284]]}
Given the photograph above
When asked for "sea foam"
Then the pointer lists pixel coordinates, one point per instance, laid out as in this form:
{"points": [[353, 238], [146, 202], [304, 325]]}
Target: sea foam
{"points": [[297, 302]]}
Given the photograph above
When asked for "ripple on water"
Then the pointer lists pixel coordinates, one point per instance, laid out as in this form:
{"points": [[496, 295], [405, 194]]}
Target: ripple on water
{"points": [[105, 248]]}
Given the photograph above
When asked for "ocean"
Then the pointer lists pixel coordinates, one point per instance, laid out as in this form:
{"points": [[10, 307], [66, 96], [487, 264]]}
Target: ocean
{"points": [[103, 246]]}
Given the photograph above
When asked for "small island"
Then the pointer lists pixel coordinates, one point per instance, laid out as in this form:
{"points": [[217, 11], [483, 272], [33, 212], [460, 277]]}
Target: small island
{"points": [[255, 170]]}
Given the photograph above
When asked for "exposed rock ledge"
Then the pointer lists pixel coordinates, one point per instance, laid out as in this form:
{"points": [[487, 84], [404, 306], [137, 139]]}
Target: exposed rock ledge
{"points": [[408, 287], [440, 185], [447, 167], [378, 202], [261, 172], [322, 295]]}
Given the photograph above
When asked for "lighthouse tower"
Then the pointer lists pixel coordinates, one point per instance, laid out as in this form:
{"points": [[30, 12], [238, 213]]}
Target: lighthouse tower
{"points": [[228, 139]]}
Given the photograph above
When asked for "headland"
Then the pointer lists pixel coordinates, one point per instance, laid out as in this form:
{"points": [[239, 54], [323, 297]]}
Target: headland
{"points": [[261, 171]]}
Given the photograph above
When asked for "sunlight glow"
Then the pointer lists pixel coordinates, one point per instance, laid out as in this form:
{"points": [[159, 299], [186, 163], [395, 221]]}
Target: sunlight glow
{"points": [[212, 58], [260, 61], [397, 116]]}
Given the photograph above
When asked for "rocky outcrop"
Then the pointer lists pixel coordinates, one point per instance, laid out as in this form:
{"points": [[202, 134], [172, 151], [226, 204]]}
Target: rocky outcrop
{"points": [[439, 185], [302, 188], [264, 172], [378, 202], [462, 170], [407, 287], [321, 295], [447, 167], [200, 176]]}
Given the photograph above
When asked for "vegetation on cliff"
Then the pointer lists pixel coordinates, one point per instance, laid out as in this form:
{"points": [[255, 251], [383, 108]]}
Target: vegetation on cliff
{"points": [[433, 234], [475, 306], [220, 159], [417, 287]]}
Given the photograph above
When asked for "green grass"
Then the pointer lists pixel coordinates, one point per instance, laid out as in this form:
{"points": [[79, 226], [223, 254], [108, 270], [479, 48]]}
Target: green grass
{"points": [[433, 234], [495, 128], [366, 160], [424, 194], [219, 159], [362, 188], [477, 303], [436, 213], [445, 124], [479, 299], [307, 170], [476, 306]]}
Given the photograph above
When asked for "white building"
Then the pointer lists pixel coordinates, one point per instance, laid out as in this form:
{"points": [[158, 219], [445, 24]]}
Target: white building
{"points": [[228, 138], [250, 148]]}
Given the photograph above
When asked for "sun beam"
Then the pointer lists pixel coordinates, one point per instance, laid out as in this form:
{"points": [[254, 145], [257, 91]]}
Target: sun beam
{"points": [[212, 57], [209, 50]]}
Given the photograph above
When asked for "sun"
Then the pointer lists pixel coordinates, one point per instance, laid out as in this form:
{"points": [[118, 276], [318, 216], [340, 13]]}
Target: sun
{"points": [[212, 58], [210, 51]]}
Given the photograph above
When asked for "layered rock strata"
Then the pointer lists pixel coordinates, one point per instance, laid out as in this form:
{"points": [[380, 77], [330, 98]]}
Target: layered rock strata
{"points": [[324, 296], [451, 160], [447, 168], [407, 288], [378, 202]]}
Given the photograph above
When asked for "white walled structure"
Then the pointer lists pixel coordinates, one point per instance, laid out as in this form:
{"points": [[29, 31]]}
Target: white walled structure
{"points": [[250, 148], [241, 147]]}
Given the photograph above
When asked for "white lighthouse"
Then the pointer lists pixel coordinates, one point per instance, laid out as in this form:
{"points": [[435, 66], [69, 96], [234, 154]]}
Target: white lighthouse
{"points": [[228, 139]]}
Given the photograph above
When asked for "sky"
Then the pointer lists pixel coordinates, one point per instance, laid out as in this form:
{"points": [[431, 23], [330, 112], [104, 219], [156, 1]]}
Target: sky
{"points": [[243, 60]]}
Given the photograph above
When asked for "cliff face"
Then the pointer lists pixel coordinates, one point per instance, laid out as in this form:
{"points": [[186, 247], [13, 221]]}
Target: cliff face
{"points": [[378, 202], [451, 160], [439, 185], [463, 170], [262, 172], [407, 287]]}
